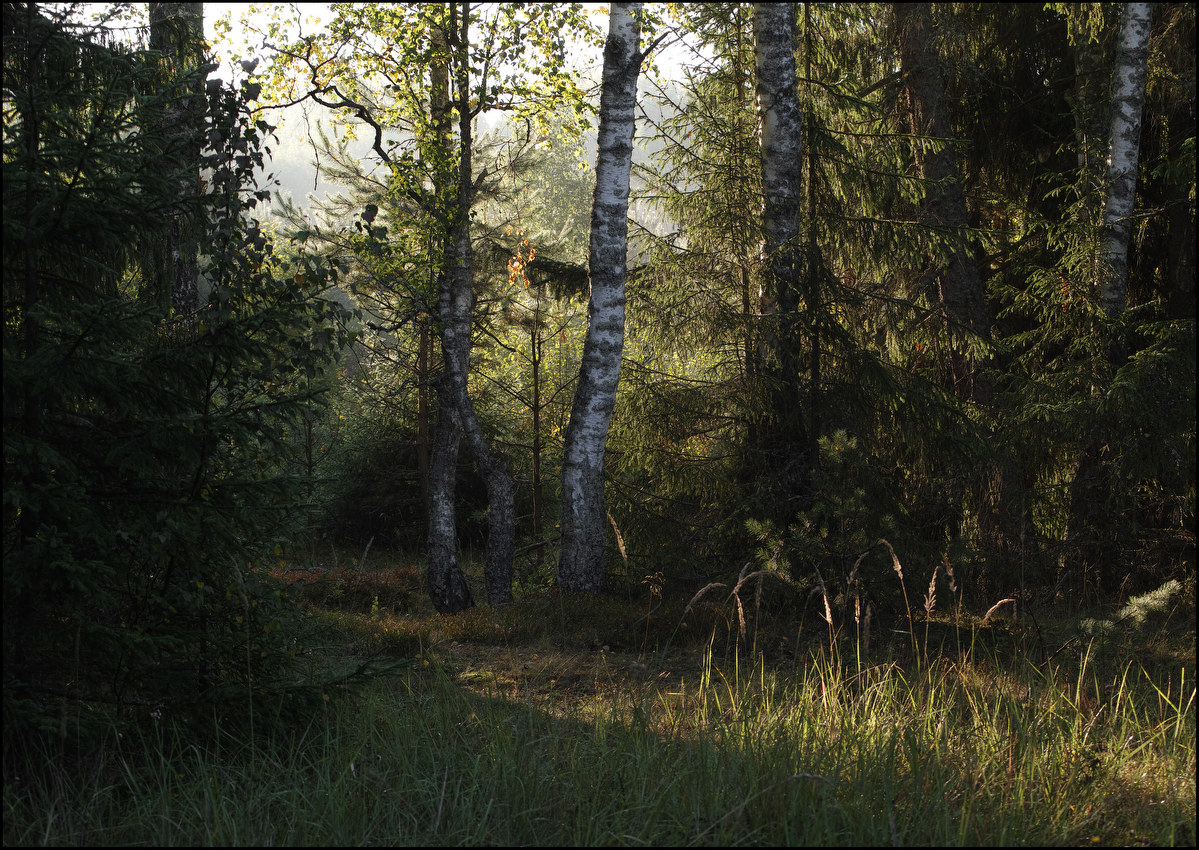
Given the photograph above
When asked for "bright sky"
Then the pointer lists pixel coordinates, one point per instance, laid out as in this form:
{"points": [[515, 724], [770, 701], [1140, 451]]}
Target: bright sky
{"points": [[669, 56], [587, 59], [215, 11]]}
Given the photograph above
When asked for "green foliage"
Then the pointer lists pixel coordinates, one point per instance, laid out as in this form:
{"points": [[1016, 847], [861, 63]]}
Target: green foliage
{"points": [[846, 517], [145, 451], [1098, 412], [1138, 610], [370, 484], [704, 438]]}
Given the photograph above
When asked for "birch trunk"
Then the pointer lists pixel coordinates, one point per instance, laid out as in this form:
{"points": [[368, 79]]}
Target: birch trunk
{"points": [[457, 311], [781, 143], [444, 578], [582, 566], [177, 32], [783, 442], [1092, 480], [1128, 101], [959, 281]]}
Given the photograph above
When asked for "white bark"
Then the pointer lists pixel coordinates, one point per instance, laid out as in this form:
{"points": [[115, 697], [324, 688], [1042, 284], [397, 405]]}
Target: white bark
{"points": [[783, 441], [780, 140], [1128, 101], [781, 134], [582, 564]]}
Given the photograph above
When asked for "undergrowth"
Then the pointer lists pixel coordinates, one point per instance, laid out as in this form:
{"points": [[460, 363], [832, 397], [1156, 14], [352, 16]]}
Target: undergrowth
{"points": [[581, 721]]}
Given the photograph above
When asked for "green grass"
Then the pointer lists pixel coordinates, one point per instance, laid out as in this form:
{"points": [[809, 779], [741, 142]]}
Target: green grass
{"points": [[532, 728]]}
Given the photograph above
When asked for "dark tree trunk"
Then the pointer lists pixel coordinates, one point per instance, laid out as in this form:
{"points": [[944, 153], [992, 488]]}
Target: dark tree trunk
{"points": [[1180, 264], [423, 441], [535, 344], [444, 577], [177, 31], [944, 207]]}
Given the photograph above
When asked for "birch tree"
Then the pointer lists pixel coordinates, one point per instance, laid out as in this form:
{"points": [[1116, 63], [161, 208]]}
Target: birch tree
{"points": [[780, 141], [444, 578], [582, 566], [391, 68], [177, 32], [1128, 102], [456, 308], [1091, 488]]}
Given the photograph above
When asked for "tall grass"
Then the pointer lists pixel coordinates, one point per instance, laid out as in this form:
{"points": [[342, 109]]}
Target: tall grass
{"points": [[740, 753]]}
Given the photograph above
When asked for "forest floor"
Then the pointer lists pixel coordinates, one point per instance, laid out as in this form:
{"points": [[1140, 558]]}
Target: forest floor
{"points": [[635, 720]]}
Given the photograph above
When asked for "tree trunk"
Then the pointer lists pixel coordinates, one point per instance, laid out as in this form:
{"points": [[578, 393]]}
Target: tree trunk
{"points": [[456, 327], [446, 582], [944, 207], [1128, 101], [1091, 489], [535, 344], [783, 441], [177, 31], [424, 344], [18, 630], [444, 577], [584, 532], [1180, 263]]}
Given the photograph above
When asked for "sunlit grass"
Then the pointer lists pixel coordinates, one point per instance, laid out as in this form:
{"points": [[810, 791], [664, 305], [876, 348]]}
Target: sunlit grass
{"points": [[545, 724]]}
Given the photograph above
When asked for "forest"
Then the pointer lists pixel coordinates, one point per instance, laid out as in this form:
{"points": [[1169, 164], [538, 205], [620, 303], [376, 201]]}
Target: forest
{"points": [[557, 478]]}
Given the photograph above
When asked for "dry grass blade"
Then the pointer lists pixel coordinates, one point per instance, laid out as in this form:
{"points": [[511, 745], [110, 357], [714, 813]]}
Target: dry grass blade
{"points": [[930, 598], [953, 588], [894, 558], [759, 574], [853, 574], [624, 555], [828, 611], [993, 608], [701, 592], [365, 552], [854, 583], [743, 577], [903, 586]]}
